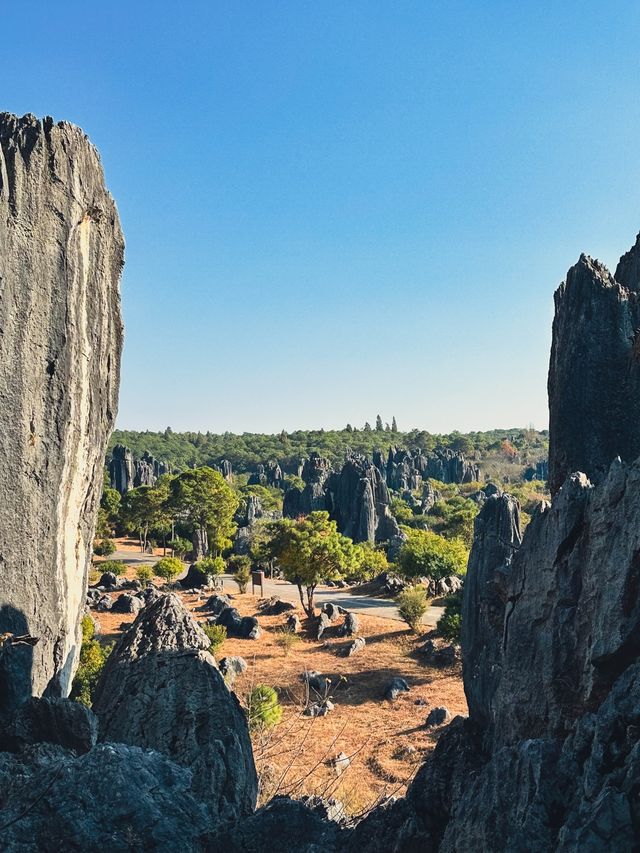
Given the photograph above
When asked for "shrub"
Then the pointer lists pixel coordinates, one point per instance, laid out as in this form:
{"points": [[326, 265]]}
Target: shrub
{"points": [[450, 623], [217, 634], [144, 574], [168, 568], [263, 708], [412, 604], [210, 566], [93, 656], [287, 639], [116, 567], [180, 546], [241, 568], [104, 548]]}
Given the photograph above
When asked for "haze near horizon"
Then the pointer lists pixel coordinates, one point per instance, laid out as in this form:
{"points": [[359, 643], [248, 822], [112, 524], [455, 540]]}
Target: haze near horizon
{"points": [[334, 210]]}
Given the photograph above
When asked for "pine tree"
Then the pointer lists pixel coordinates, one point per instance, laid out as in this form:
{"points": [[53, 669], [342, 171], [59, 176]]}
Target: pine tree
{"points": [[367, 427], [394, 425], [379, 427], [348, 428]]}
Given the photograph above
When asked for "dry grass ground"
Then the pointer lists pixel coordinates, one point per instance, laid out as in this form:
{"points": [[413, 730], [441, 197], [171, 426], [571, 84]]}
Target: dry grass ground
{"points": [[385, 741]]}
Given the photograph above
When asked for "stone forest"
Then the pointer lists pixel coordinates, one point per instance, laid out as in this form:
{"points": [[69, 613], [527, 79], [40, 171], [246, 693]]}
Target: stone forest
{"points": [[358, 640]]}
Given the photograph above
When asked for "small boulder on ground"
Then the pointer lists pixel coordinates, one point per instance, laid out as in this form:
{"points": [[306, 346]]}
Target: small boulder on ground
{"points": [[437, 717], [194, 579], [319, 709], [108, 580], [104, 603], [322, 624], [356, 646], [274, 606], [293, 623], [395, 688], [333, 611], [127, 604], [215, 604], [316, 681], [231, 667], [350, 626], [440, 656], [340, 763]]}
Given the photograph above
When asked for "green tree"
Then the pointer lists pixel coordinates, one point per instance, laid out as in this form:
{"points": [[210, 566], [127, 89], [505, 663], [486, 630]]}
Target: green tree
{"points": [[205, 501], [430, 555], [263, 708], [394, 425], [144, 509], [367, 562], [310, 550], [110, 503], [379, 425], [412, 604]]}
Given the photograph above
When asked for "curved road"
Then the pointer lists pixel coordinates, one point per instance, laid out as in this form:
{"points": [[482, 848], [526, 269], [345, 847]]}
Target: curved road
{"points": [[365, 604]]}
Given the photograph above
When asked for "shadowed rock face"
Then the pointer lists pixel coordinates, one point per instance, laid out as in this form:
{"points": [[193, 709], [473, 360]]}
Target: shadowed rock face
{"points": [[594, 371], [61, 254], [160, 689]]}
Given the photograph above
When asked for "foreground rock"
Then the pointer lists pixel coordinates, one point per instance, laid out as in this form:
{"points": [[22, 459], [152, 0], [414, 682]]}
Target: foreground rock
{"points": [[61, 253], [161, 689]]}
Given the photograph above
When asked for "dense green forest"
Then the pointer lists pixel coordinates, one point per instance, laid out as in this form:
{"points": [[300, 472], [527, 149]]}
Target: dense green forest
{"points": [[511, 447]]}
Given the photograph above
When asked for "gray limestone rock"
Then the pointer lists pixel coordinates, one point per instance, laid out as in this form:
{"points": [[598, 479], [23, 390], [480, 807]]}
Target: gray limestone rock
{"points": [[161, 690], [61, 254]]}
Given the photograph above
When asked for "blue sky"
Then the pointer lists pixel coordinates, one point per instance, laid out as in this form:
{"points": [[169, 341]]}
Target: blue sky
{"points": [[334, 209]]}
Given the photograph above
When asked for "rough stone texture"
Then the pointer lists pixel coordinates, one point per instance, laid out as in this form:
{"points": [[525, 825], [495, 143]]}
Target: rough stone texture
{"points": [[61, 254], [57, 721], [594, 370], [496, 539], [127, 473], [160, 690]]}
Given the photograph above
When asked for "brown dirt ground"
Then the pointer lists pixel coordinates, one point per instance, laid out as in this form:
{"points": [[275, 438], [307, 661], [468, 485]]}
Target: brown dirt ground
{"points": [[385, 741]]}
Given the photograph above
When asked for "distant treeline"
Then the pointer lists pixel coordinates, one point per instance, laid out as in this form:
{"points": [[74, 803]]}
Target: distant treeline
{"points": [[190, 449]]}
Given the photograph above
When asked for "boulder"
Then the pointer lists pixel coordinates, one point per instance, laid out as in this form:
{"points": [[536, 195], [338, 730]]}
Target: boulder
{"points": [[350, 626], [437, 717], [126, 603], [56, 721], [395, 687], [231, 667], [194, 579], [215, 604], [274, 606], [316, 682], [61, 255], [356, 646], [108, 580], [323, 622], [319, 709], [160, 689], [104, 603], [293, 623]]}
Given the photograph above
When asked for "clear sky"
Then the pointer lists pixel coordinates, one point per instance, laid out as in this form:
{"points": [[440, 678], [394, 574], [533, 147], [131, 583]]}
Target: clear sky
{"points": [[343, 207]]}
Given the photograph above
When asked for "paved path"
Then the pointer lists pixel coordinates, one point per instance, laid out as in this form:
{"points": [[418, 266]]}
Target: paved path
{"points": [[383, 607]]}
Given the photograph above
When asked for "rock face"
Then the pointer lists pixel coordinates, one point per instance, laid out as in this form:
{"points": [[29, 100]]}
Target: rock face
{"points": [[127, 473], [160, 689], [594, 371], [61, 254]]}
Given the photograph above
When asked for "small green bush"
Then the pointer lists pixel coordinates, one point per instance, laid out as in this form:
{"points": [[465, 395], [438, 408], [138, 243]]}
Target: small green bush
{"points": [[210, 565], [144, 574], [263, 708], [241, 568], [104, 548], [450, 623], [286, 639], [217, 634], [93, 656], [168, 568], [180, 547], [116, 567], [412, 604]]}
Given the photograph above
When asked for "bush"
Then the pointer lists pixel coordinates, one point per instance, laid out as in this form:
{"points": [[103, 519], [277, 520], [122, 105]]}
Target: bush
{"points": [[450, 623], [263, 708], [180, 546], [241, 568], [426, 554], [168, 568], [104, 548], [210, 566], [93, 656], [144, 574], [116, 567], [367, 563], [217, 634], [287, 639], [412, 604]]}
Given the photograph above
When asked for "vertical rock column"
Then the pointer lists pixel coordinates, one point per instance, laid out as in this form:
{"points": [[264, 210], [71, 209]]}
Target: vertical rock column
{"points": [[61, 254]]}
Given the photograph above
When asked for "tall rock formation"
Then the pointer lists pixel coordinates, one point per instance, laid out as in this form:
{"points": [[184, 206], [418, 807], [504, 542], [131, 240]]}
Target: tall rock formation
{"points": [[61, 254], [594, 371]]}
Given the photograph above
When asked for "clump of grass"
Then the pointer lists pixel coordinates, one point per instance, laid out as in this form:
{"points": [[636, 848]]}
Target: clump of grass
{"points": [[217, 634], [286, 639]]}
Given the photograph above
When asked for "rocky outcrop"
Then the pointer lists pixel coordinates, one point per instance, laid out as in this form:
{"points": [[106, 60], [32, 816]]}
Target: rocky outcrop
{"points": [[126, 473], [594, 370], [226, 469], [160, 689], [270, 474], [359, 502], [61, 253]]}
